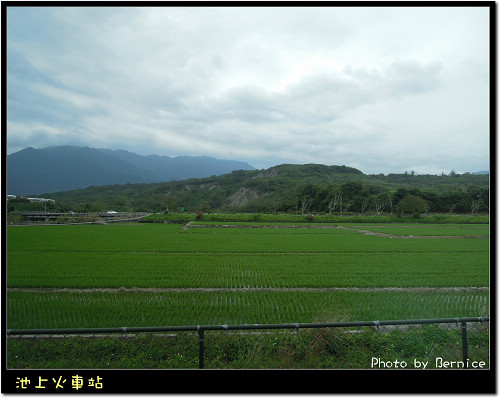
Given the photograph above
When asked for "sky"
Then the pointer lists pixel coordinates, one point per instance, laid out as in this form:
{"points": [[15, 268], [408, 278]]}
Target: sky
{"points": [[382, 89]]}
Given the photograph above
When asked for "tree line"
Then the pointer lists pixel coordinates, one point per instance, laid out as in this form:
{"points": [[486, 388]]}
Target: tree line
{"points": [[299, 189], [357, 197]]}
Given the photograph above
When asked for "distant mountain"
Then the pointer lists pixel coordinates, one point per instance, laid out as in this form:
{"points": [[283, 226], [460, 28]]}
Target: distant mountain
{"points": [[481, 172], [62, 168]]}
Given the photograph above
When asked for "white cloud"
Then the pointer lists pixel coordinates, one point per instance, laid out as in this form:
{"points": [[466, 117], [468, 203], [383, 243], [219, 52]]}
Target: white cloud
{"points": [[335, 85]]}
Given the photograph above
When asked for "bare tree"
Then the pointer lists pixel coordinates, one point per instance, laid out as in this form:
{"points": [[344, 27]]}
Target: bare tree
{"points": [[474, 205], [391, 204], [427, 207], [334, 201], [380, 203], [305, 201], [331, 205], [348, 203], [364, 204], [275, 204]]}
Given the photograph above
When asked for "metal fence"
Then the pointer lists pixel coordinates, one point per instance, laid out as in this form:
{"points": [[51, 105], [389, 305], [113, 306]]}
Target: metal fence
{"points": [[446, 343]]}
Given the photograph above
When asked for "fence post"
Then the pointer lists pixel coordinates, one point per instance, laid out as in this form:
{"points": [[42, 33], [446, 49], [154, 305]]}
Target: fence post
{"points": [[201, 342], [465, 347]]}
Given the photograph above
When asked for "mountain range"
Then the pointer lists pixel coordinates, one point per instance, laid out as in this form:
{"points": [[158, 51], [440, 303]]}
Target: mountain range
{"points": [[61, 168]]}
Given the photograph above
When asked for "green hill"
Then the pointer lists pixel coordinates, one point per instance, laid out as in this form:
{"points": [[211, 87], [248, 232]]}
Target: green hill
{"points": [[284, 188]]}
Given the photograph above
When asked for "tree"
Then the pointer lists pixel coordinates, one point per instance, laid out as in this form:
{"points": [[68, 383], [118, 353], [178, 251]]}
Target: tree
{"points": [[352, 188], [305, 203], [334, 201], [348, 203], [168, 203], [390, 202], [380, 202], [399, 195], [428, 206], [479, 198], [364, 204], [433, 200], [122, 201], [353, 193], [412, 204], [474, 206], [98, 205], [286, 206]]}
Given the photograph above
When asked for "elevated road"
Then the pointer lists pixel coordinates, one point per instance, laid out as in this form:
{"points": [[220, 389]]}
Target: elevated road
{"points": [[64, 218]]}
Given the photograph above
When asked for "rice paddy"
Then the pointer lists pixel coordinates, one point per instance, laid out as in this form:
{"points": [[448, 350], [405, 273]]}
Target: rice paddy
{"points": [[213, 273]]}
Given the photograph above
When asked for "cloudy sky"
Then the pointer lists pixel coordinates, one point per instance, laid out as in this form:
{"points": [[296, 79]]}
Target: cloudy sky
{"points": [[382, 89]]}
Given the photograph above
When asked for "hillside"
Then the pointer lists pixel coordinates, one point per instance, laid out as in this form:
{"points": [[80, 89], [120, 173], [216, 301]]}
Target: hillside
{"points": [[34, 171], [280, 188]]}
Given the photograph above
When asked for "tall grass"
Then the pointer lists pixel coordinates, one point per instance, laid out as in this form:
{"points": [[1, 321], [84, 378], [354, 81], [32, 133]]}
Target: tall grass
{"points": [[309, 349]]}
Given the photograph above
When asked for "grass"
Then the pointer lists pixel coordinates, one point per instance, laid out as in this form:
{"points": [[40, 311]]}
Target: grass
{"points": [[243, 265], [161, 238], [320, 218], [164, 256], [104, 309], [247, 270], [426, 230], [332, 348]]}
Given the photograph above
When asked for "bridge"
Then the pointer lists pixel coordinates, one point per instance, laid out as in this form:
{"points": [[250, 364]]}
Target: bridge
{"points": [[48, 217]]}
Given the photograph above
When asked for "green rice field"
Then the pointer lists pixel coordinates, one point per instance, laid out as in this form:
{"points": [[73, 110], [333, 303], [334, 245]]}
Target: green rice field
{"points": [[118, 275]]}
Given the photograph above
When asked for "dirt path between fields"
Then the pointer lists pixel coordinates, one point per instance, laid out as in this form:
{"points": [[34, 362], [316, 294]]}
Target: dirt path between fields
{"points": [[366, 232], [265, 289], [362, 231]]}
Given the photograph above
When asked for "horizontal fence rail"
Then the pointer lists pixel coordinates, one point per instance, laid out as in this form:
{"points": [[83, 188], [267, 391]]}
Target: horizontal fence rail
{"points": [[201, 329]]}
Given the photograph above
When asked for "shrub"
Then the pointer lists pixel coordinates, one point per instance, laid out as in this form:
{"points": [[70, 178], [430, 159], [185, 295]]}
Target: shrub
{"points": [[412, 204]]}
